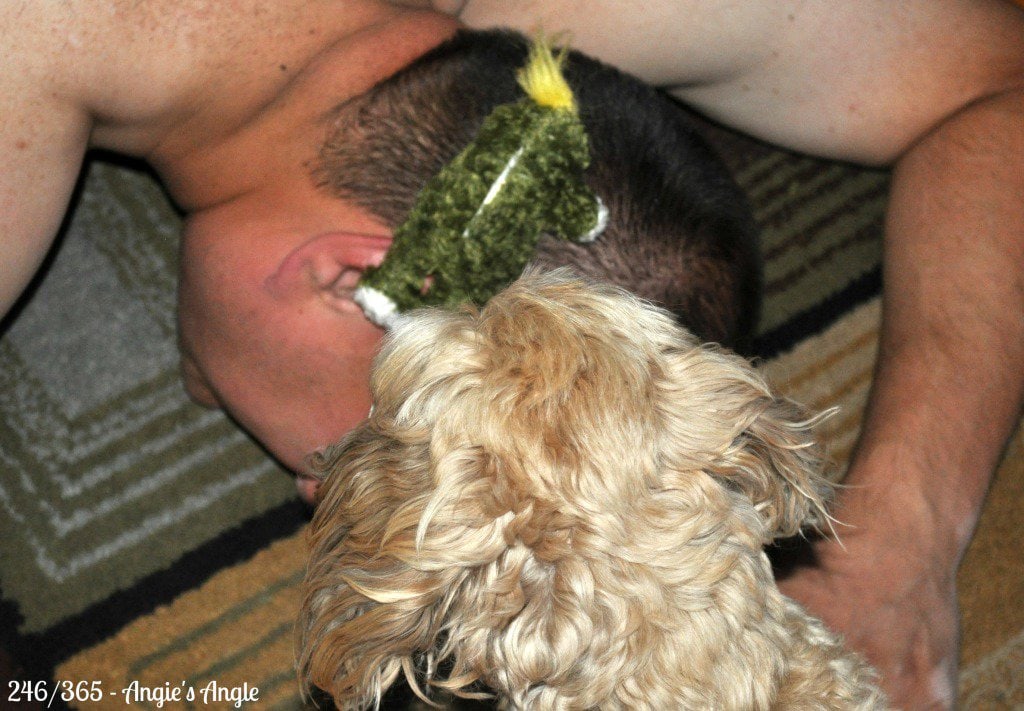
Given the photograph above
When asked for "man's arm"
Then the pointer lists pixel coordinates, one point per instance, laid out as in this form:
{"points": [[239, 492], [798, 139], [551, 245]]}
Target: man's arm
{"points": [[132, 77], [74, 75], [948, 388], [947, 393], [43, 144], [43, 136]]}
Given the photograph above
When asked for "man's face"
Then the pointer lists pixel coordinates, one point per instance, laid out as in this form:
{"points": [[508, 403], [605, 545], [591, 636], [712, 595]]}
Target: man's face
{"points": [[267, 330]]}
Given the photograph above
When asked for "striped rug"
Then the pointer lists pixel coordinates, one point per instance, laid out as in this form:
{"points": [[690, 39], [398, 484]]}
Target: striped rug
{"points": [[143, 539]]}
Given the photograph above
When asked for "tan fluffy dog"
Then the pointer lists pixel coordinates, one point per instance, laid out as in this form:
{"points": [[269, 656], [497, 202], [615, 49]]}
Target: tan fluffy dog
{"points": [[565, 497]]}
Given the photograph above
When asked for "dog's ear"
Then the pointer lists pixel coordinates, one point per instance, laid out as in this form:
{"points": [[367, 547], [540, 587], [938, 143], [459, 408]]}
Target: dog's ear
{"points": [[776, 461], [749, 439], [367, 615], [407, 566]]}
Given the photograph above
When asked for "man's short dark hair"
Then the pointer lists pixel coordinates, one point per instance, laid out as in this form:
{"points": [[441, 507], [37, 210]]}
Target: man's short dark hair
{"points": [[680, 232]]}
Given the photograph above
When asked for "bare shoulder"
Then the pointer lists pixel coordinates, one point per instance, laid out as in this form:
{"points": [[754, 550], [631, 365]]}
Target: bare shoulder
{"points": [[70, 69], [859, 80], [33, 37], [111, 62], [139, 65]]}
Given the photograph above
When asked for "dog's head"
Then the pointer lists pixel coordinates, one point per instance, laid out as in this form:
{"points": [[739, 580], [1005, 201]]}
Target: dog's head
{"points": [[544, 493]]}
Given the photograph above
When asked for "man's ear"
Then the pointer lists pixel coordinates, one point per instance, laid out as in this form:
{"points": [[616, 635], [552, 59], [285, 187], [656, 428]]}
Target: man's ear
{"points": [[329, 266], [338, 262]]}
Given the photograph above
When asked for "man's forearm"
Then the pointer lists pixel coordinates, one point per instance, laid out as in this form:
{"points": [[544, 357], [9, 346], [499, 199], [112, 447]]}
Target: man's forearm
{"points": [[947, 393], [950, 381]]}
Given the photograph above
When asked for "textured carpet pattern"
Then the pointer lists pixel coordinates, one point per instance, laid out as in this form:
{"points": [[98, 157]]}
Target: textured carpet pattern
{"points": [[107, 472], [145, 539]]}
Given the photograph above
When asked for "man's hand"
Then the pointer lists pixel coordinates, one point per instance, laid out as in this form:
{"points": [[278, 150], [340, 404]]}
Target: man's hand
{"points": [[895, 603]]}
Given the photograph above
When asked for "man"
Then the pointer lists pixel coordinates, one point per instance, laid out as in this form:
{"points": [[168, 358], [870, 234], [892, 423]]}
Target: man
{"points": [[227, 99]]}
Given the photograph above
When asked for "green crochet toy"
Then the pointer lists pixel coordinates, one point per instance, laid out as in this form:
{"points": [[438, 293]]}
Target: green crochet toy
{"points": [[476, 224]]}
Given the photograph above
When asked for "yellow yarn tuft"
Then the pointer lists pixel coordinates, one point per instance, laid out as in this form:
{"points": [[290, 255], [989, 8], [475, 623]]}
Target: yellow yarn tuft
{"points": [[542, 78]]}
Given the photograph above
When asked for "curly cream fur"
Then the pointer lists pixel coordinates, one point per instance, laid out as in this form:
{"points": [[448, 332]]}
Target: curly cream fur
{"points": [[565, 497]]}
